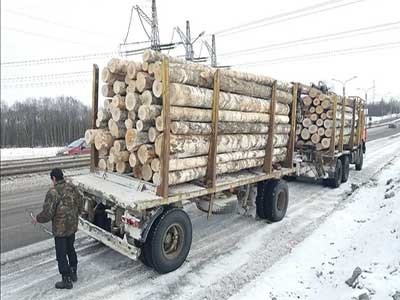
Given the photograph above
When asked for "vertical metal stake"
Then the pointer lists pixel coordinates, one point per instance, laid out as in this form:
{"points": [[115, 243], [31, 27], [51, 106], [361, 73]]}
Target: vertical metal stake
{"points": [[94, 153]]}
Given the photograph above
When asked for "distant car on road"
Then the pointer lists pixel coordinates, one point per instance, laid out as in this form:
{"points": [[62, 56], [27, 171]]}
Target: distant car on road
{"points": [[77, 147], [392, 125]]}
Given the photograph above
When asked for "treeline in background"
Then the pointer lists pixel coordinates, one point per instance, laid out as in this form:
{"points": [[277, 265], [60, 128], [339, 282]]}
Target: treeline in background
{"points": [[43, 122], [384, 107]]}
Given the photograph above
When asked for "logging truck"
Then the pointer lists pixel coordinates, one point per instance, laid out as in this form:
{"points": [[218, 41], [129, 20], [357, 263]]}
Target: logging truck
{"points": [[171, 132]]}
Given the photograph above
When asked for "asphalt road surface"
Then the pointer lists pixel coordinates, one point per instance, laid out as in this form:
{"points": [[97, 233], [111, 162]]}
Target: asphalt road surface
{"points": [[17, 231]]}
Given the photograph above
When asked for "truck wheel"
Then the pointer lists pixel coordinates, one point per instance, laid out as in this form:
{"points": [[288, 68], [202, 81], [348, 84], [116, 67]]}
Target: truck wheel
{"points": [[273, 200], [337, 179], [360, 162], [346, 168], [169, 241]]}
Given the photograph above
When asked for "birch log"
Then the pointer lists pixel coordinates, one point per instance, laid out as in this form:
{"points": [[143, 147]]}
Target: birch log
{"points": [[195, 145], [201, 161], [190, 96]]}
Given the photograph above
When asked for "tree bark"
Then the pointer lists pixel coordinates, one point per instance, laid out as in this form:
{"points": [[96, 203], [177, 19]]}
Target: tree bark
{"points": [[153, 134], [190, 96], [133, 68], [146, 153], [132, 101], [123, 167], [108, 77], [178, 113], [107, 90], [119, 87], [147, 172], [181, 176], [195, 145], [148, 113], [183, 127], [201, 161], [118, 101], [143, 81], [144, 125], [147, 98], [103, 140], [134, 139]]}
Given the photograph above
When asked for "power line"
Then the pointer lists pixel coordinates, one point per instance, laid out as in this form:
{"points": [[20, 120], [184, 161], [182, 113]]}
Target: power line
{"points": [[43, 20], [316, 39], [61, 59], [47, 83], [47, 76], [280, 18], [55, 38], [338, 52]]}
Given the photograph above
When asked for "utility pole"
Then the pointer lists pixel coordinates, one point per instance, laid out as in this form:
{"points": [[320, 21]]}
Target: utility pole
{"points": [[344, 82]]}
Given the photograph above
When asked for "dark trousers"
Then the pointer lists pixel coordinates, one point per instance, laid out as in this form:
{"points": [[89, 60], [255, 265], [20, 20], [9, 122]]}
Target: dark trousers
{"points": [[65, 248]]}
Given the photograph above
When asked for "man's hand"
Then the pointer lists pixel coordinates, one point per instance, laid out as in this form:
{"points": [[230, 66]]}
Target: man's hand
{"points": [[34, 221]]}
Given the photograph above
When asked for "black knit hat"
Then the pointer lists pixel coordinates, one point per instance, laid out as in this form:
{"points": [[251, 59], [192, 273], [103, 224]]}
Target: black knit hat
{"points": [[57, 173]]}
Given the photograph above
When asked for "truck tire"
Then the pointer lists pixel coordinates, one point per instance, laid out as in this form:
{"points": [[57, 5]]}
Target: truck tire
{"points": [[359, 163], [272, 200], [169, 241], [346, 168], [337, 179]]}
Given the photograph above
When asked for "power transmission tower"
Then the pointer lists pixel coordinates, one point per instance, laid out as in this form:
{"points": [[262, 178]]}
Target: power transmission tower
{"points": [[154, 36], [188, 43], [212, 52]]}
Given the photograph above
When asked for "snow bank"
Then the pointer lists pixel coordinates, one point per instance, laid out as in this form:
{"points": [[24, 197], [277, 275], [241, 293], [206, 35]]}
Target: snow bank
{"points": [[366, 234], [22, 153]]}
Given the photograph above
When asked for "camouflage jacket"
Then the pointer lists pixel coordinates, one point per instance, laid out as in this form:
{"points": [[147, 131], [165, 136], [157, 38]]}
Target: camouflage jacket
{"points": [[63, 205]]}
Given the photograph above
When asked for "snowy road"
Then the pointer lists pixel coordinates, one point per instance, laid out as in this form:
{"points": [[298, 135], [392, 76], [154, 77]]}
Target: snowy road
{"points": [[228, 253]]}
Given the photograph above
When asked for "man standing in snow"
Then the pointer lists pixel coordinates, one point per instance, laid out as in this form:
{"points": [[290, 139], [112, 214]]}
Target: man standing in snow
{"points": [[63, 205]]}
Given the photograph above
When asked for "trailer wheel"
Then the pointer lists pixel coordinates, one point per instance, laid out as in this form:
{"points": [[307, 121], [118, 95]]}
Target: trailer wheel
{"points": [[360, 161], [169, 241], [337, 179], [346, 168], [272, 200]]}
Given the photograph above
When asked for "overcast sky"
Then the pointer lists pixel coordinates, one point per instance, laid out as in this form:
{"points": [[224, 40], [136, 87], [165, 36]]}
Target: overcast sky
{"points": [[284, 39]]}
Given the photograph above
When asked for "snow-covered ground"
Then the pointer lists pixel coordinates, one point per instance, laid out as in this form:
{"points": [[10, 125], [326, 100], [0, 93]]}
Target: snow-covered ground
{"points": [[383, 118], [326, 234], [365, 234], [22, 153]]}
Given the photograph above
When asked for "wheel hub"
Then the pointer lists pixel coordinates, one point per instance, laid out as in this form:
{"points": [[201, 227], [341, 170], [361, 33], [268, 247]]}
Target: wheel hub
{"points": [[172, 241]]}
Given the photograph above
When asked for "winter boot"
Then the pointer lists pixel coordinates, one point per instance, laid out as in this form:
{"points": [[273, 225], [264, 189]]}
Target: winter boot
{"points": [[65, 283], [74, 276]]}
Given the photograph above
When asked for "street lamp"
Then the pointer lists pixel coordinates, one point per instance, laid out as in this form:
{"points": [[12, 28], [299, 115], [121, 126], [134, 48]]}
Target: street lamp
{"points": [[366, 92], [343, 82]]}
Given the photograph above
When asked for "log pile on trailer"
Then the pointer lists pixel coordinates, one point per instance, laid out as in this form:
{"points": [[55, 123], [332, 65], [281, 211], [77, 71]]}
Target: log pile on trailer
{"points": [[130, 126], [323, 116]]}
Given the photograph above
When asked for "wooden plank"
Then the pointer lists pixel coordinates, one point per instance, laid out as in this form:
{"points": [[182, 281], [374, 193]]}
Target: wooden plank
{"points": [[342, 124], [211, 174], [162, 190], [333, 137], [288, 163], [94, 153], [269, 148]]}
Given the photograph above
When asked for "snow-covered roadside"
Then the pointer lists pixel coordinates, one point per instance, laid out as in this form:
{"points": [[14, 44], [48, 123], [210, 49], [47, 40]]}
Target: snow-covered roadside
{"points": [[365, 234], [22, 153]]}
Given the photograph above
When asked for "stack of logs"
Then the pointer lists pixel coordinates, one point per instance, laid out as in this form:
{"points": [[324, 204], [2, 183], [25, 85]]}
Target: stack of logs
{"points": [[317, 119], [130, 125]]}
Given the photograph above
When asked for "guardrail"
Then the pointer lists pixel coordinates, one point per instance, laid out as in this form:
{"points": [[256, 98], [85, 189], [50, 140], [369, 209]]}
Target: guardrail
{"points": [[35, 165]]}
